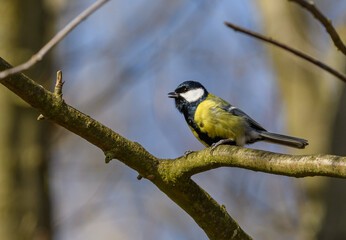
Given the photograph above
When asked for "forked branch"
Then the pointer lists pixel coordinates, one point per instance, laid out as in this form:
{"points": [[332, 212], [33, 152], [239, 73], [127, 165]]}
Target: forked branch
{"points": [[327, 23], [173, 176]]}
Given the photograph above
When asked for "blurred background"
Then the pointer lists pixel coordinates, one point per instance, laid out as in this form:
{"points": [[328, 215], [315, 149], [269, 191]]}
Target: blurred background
{"points": [[118, 66]]}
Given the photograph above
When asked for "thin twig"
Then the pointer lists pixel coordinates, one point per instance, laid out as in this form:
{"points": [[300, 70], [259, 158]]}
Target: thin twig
{"points": [[56, 39], [327, 23], [298, 53]]}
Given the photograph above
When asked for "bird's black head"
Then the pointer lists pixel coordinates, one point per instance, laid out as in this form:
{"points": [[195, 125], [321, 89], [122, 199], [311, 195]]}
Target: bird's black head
{"points": [[188, 94]]}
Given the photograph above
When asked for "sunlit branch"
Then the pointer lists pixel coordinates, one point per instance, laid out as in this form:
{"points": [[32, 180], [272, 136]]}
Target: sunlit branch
{"points": [[208, 214], [173, 176], [263, 161]]}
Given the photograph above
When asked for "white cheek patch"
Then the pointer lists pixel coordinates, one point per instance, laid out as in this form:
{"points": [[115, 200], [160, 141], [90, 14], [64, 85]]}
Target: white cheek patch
{"points": [[193, 95]]}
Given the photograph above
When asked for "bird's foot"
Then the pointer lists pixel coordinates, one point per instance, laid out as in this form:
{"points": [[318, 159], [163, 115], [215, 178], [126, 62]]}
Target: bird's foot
{"points": [[187, 153], [221, 142]]}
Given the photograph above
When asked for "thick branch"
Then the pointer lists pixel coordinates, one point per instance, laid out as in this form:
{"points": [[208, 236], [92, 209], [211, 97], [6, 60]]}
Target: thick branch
{"points": [[257, 160], [173, 176], [327, 23], [296, 52], [207, 213], [55, 40]]}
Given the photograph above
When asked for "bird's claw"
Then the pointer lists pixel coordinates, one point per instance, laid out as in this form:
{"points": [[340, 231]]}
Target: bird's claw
{"points": [[221, 142], [186, 153], [213, 146]]}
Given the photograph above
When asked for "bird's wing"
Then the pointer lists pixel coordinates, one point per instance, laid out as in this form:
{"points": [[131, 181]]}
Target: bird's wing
{"points": [[237, 112]]}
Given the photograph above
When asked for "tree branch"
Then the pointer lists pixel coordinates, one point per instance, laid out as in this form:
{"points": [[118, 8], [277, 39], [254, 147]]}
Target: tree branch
{"points": [[55, 40], [327, 23], [298, 53], [173, 176], [258, 160], [208, 214]]}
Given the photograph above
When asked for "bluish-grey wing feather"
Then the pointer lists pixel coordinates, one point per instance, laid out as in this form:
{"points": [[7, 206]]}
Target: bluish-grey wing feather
{"points": [[236, 111]]}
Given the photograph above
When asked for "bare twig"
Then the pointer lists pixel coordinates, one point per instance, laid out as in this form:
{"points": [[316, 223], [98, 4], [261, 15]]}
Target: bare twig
{"points": [[56, 39], [296, 52], [327, 23], [59, 83]]}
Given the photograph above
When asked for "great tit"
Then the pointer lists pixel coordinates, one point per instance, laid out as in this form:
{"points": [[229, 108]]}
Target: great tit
{"points": [[214, 121]]}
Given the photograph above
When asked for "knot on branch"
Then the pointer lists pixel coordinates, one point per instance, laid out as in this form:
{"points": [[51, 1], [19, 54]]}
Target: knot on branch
{"points": [[110, 155], [57, 91]]}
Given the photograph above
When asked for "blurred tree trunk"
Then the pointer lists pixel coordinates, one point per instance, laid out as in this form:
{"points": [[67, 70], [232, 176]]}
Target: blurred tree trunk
{"points": [[334, 221], [308, 94], [24, 193]]}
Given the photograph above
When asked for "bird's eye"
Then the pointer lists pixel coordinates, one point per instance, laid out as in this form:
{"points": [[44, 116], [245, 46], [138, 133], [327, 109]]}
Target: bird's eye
{"points": [[184, 89]]}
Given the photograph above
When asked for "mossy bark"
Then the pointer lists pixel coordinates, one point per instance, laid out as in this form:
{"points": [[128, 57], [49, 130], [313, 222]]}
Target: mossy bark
{"points": [[173, 176]]}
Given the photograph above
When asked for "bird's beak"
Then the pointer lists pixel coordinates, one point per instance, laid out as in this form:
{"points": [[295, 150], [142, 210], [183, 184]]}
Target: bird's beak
{"points": [[173, 95]]}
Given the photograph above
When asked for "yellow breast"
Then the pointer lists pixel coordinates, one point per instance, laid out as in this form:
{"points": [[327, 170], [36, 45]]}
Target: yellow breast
{"points": [[216, 122]]}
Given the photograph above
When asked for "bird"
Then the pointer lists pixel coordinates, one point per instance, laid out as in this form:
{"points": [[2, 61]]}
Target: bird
{"points": [[214, 121]]}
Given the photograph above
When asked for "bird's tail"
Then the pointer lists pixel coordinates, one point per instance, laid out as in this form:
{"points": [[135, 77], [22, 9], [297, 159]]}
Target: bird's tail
{"points": [[284, 140]]}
